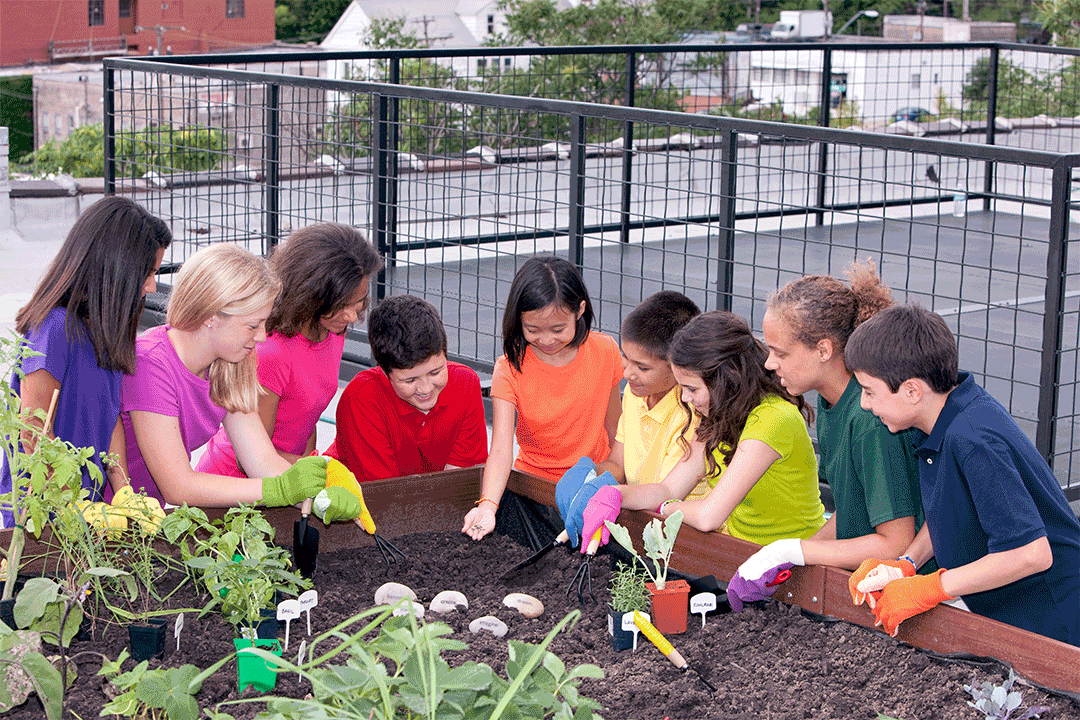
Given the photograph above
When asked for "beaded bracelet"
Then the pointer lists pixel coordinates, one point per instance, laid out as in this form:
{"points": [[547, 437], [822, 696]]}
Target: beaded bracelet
{"points": [[905, 557], [482, 499]]}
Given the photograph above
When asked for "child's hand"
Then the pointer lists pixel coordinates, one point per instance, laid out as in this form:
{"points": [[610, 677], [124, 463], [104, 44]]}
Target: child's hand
{"points": [[306, 478], [908, 597], [872, 577], [573, 492], [480, 521], [756, 578], [604, 505]]}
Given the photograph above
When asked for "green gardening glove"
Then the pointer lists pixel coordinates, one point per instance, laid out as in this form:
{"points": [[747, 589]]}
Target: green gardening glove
{"points": [[337, 503], [303, 480]]}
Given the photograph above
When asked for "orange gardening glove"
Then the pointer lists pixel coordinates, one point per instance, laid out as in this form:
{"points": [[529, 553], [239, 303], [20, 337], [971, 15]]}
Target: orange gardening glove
{"points": [[873, 575], [907, 597]]}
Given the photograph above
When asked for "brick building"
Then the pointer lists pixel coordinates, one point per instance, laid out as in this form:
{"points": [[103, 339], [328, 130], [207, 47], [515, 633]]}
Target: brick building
{"points": [[45, 31]]}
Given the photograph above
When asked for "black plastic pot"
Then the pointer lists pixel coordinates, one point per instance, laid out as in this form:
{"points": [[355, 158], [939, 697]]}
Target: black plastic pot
{"points": [[268, 626], [620, 639], [147, 641]]}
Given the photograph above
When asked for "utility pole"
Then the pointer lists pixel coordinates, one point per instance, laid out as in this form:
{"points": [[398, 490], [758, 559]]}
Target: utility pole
{"points": [[427, 20], [160, 30]]}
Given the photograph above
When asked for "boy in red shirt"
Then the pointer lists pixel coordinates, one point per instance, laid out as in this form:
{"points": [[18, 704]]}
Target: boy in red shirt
{"points": [[416, 412]]}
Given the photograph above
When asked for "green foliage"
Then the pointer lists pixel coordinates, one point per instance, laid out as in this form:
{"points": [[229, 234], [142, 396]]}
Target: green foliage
{"points": [[1019, 92], [163, 149], [17, 113], [999, 702], [659, 541], [161, 693], [306, 20], [24, 671], [628, 591], [236, 559], [401, 674], [1061, 17], [46, 607]]}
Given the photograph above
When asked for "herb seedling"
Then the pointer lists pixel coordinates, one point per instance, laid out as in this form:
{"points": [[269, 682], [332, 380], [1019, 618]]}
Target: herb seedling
{"points": [[628, 591], [659, 540], [998, 702]]}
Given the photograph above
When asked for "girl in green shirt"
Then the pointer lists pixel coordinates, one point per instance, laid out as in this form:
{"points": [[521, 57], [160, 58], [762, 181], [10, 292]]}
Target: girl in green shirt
{"points": [[751, 442]]}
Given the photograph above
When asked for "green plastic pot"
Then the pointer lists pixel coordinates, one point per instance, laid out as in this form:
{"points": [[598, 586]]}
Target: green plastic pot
{"points": [[252, 669]]}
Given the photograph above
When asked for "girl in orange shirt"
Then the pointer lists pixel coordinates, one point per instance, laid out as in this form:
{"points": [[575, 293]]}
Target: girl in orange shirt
{"points": [[557, 386]]}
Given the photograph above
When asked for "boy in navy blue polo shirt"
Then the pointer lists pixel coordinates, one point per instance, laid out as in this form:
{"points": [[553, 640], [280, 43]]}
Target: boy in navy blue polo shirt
{"points": [[996, 516]]}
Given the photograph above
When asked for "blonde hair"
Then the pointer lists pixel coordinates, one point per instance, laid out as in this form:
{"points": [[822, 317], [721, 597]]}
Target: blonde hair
{"points": [[224, 280]]}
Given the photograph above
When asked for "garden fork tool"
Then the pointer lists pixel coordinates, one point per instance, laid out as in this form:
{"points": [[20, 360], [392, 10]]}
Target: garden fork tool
{"points": [[560, 539], [583, 576], [662, 644], [337, 475]]}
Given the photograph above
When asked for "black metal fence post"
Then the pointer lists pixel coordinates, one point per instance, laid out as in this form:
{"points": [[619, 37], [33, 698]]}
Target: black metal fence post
{"points": [[991, 123], [109, 119], [1053, 315], [577, 190], [273, 166], [823, 148], [628, 149], [382, 191], [393, 118], [725, 276]]}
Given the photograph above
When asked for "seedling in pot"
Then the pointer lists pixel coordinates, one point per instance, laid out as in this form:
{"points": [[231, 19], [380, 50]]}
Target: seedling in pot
{"points": [[659, 541]]}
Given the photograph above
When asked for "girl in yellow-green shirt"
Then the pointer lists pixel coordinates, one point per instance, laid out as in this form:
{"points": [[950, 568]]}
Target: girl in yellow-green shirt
{"points": [[751, 442]]}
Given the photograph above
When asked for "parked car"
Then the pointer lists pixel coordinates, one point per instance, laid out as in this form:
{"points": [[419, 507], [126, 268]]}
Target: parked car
{"points": [[914, 114]]}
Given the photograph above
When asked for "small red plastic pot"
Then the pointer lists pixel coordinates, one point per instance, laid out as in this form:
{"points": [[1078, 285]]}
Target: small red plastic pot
{"points": [[670, 606]]}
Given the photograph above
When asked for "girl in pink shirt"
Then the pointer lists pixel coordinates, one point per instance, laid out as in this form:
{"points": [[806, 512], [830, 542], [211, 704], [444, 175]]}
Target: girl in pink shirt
{"points": [[325, 273], [197, 374]]}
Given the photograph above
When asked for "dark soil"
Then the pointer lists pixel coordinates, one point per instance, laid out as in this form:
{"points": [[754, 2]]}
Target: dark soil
{"points": [[766, 662]]}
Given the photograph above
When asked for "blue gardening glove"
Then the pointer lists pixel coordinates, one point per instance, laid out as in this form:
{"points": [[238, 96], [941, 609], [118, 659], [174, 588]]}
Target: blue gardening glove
{"points": [[573, 492], [756, 578]]}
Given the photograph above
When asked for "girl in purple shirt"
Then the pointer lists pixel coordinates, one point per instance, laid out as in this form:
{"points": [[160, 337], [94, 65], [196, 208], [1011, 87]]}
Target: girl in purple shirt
{"points": [[83, 318], [325, 273], [197, 374]]}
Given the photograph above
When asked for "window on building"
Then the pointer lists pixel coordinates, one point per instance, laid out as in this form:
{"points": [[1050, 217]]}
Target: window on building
{"points": [[96, 10], [506, 62], [916, 80], [481, 64], [491, 24], [234, 8], [125, 8]]}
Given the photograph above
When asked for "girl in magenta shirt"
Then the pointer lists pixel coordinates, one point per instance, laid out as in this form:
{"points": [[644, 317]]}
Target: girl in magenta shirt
{"points": [[325, 272], [197, 374]]}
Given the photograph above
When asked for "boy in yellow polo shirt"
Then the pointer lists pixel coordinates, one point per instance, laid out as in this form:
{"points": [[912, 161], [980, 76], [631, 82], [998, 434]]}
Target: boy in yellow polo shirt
{"points": [[647, 444]]}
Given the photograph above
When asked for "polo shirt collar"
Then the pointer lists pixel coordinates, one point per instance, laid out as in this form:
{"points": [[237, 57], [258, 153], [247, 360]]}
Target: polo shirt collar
{"points": [[663, 409], [965, 392]]}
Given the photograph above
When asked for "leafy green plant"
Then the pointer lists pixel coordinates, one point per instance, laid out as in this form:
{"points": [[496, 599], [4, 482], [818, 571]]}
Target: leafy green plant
{"points": [[401, 674], [236, 559], [999, 702], [161, 693], [50, 477], [24, 670], [659, 541], [628, 591]]}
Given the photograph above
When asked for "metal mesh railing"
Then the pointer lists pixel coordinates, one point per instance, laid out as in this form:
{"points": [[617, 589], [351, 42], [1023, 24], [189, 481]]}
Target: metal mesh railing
{"points": [[457, 188]]}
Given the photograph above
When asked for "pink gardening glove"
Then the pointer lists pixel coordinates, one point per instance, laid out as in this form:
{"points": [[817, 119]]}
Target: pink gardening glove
{"points": [[605, 504]]}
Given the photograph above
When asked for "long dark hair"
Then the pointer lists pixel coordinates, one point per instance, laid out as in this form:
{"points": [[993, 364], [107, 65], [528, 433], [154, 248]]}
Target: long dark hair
{"points": [[720, 348], [98, 276], [321, 267], [542, 281]]}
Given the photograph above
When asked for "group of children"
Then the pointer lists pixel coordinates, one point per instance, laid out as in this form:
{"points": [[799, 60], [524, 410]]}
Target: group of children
{"points": [[924, 466]]}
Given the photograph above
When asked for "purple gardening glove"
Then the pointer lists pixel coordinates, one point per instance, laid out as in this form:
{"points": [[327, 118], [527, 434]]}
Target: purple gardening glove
{"points": [[756, 579], [605, 504]]}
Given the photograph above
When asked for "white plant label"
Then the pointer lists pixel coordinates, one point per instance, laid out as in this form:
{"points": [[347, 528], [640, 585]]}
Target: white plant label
{"points": [[300, 657], [308, 600], [288, 610], [391, 593], [703, 603], [177, 627], [628, 624], [448, 601], [405, 604], [492, 624]]}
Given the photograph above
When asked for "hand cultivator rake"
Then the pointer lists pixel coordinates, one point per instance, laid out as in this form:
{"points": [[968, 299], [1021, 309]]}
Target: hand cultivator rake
{"points": [[583, 576]]}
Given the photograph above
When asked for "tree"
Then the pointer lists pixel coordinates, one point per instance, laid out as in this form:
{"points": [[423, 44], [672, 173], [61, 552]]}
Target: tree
{"points": [[1062, 17], [307, 20]]}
